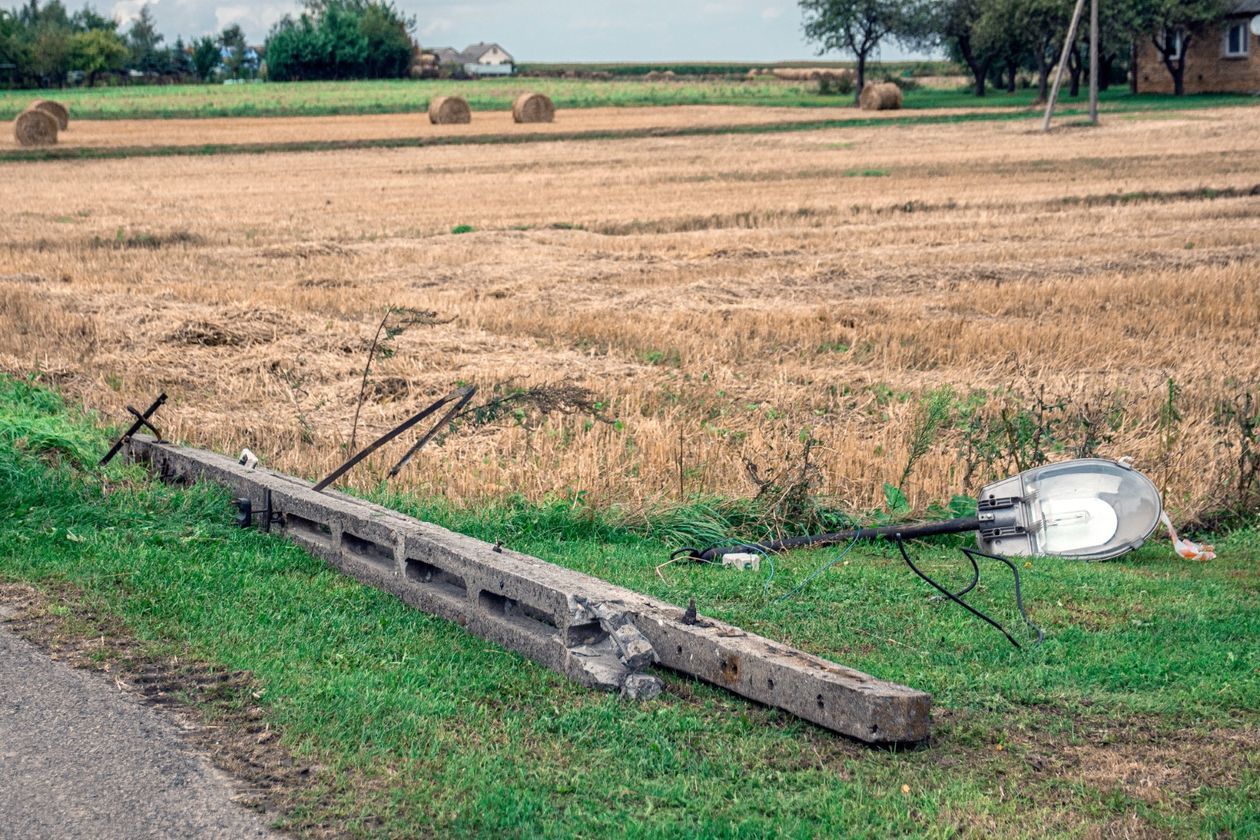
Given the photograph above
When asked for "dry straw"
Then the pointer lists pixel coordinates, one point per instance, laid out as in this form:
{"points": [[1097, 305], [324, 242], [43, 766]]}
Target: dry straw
{"points": [[35, 128], [54, 109], [883, 96], [803, 74], [449, 110], [533, 108]]}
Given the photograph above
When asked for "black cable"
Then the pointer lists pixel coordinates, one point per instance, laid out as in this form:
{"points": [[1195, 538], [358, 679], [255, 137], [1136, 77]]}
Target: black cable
{"points": [[926, 529], [971, 555]]}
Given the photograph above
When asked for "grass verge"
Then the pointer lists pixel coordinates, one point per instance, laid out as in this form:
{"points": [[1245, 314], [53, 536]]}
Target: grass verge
{"points": [[1137, 714], [406, 96]]}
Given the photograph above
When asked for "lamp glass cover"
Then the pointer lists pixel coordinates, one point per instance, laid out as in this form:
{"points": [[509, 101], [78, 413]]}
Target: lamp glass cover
{"points": [[1090, 508]]}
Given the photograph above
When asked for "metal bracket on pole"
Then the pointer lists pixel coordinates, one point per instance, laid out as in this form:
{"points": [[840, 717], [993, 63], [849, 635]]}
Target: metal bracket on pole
{"points": [[141, 422], [1063, 59], [460, 397]]}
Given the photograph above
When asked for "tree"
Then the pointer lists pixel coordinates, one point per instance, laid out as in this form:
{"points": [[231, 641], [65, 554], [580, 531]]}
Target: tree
{"points": [[956, 24], [50, 54], [179, 63], [1120, 26], [87, 19], [1076, 67], [145, 43], [1172, 25], [13, 47], [1029, 28], [97, 51], [232, 39], [858, 26], [341, 39], [389, 42], [205, 57], [47, 32]]}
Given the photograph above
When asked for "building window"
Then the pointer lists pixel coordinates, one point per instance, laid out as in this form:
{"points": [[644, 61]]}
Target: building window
{"points": [[1174, 44], [1236, 40]]}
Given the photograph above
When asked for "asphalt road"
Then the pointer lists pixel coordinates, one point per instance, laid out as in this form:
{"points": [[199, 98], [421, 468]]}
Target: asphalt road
{"points": [[81, 759]]}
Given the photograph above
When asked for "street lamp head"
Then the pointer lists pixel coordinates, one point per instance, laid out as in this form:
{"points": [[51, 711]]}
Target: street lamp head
{"points": [[1091, 509]]}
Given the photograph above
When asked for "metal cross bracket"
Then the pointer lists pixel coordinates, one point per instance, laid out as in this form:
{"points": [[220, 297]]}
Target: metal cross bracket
{"points": [[141, 422], [460, 397]]}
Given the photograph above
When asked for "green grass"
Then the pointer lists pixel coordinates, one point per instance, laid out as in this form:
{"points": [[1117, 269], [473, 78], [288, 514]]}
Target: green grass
{"points": [[430, 730], [736, 68], [405, 96]]}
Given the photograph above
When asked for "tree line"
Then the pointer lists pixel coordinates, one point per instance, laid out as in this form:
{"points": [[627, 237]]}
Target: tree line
{"points": [[41, 44], [44, 45], [996, 40]]}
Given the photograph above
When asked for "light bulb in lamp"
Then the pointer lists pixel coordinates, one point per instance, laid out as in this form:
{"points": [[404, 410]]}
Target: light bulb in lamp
{"points": [[1092, 508]]}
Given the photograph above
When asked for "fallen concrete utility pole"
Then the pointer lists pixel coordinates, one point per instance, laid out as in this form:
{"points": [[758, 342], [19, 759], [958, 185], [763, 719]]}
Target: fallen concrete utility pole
{"points": [[601, 635]]}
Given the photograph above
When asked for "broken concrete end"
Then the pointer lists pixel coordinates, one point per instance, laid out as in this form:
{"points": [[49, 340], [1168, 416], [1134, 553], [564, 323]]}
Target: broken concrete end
{"points": [[641, 687]]}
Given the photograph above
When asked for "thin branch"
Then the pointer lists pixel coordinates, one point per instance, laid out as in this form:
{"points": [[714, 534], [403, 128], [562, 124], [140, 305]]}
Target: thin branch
{"points": [[367, 368]]}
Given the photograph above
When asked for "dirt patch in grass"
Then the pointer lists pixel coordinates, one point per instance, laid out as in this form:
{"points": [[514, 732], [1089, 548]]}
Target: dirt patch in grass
{"points": [[1140, 757], [1163, 768], [218, 706]]}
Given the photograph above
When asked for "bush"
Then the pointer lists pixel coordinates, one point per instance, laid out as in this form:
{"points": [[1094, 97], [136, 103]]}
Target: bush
{"points": [[836, 84], [341, 39]]}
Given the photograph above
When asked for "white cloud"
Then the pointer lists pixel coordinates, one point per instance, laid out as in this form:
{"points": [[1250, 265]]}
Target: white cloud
{"points": [[126, 11], [253, 18], [771, 12], [436, 27]]}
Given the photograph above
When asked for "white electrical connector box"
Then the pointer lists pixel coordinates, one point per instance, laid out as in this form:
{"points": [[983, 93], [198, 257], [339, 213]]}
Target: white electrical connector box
{"points": [[743, 562], [248, 459]]}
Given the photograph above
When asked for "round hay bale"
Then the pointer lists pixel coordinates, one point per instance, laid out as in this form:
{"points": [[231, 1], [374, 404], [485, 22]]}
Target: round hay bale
{"points": [[893, 98], [880, 96], [56, 110], [449, 110], [533, 108], [35, 128]]}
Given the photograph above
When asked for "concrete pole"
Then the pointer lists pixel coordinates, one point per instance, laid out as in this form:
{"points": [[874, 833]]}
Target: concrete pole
{"points": [[1093, 61], [1063, 59]]}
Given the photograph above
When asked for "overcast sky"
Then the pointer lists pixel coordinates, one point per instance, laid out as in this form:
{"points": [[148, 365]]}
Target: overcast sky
{"points": [[544, 30]]}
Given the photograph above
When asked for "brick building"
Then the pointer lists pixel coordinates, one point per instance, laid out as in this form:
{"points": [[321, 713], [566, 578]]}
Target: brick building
{"points": [[1219, 59]]}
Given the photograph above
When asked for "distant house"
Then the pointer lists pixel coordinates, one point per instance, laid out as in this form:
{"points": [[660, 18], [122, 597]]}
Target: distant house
{"points": [[477, 60], [447, 56], [1224, 58]]}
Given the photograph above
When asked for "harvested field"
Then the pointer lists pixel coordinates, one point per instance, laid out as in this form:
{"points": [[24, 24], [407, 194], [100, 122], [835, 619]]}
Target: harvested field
{"points": [[200, 132], [725, 298]]}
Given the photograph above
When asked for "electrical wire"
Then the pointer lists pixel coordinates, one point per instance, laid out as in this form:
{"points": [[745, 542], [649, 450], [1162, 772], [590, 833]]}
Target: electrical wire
{"points": [[923, 529], [817, 572], [956, 597]]}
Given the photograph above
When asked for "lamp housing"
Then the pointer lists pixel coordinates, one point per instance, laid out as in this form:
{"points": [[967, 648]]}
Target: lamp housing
{"points": [[1090, 508]]}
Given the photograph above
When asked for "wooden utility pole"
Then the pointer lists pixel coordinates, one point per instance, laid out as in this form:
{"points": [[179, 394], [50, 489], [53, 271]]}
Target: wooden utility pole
{"points": [[1063, 60], [1093, 61]]}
